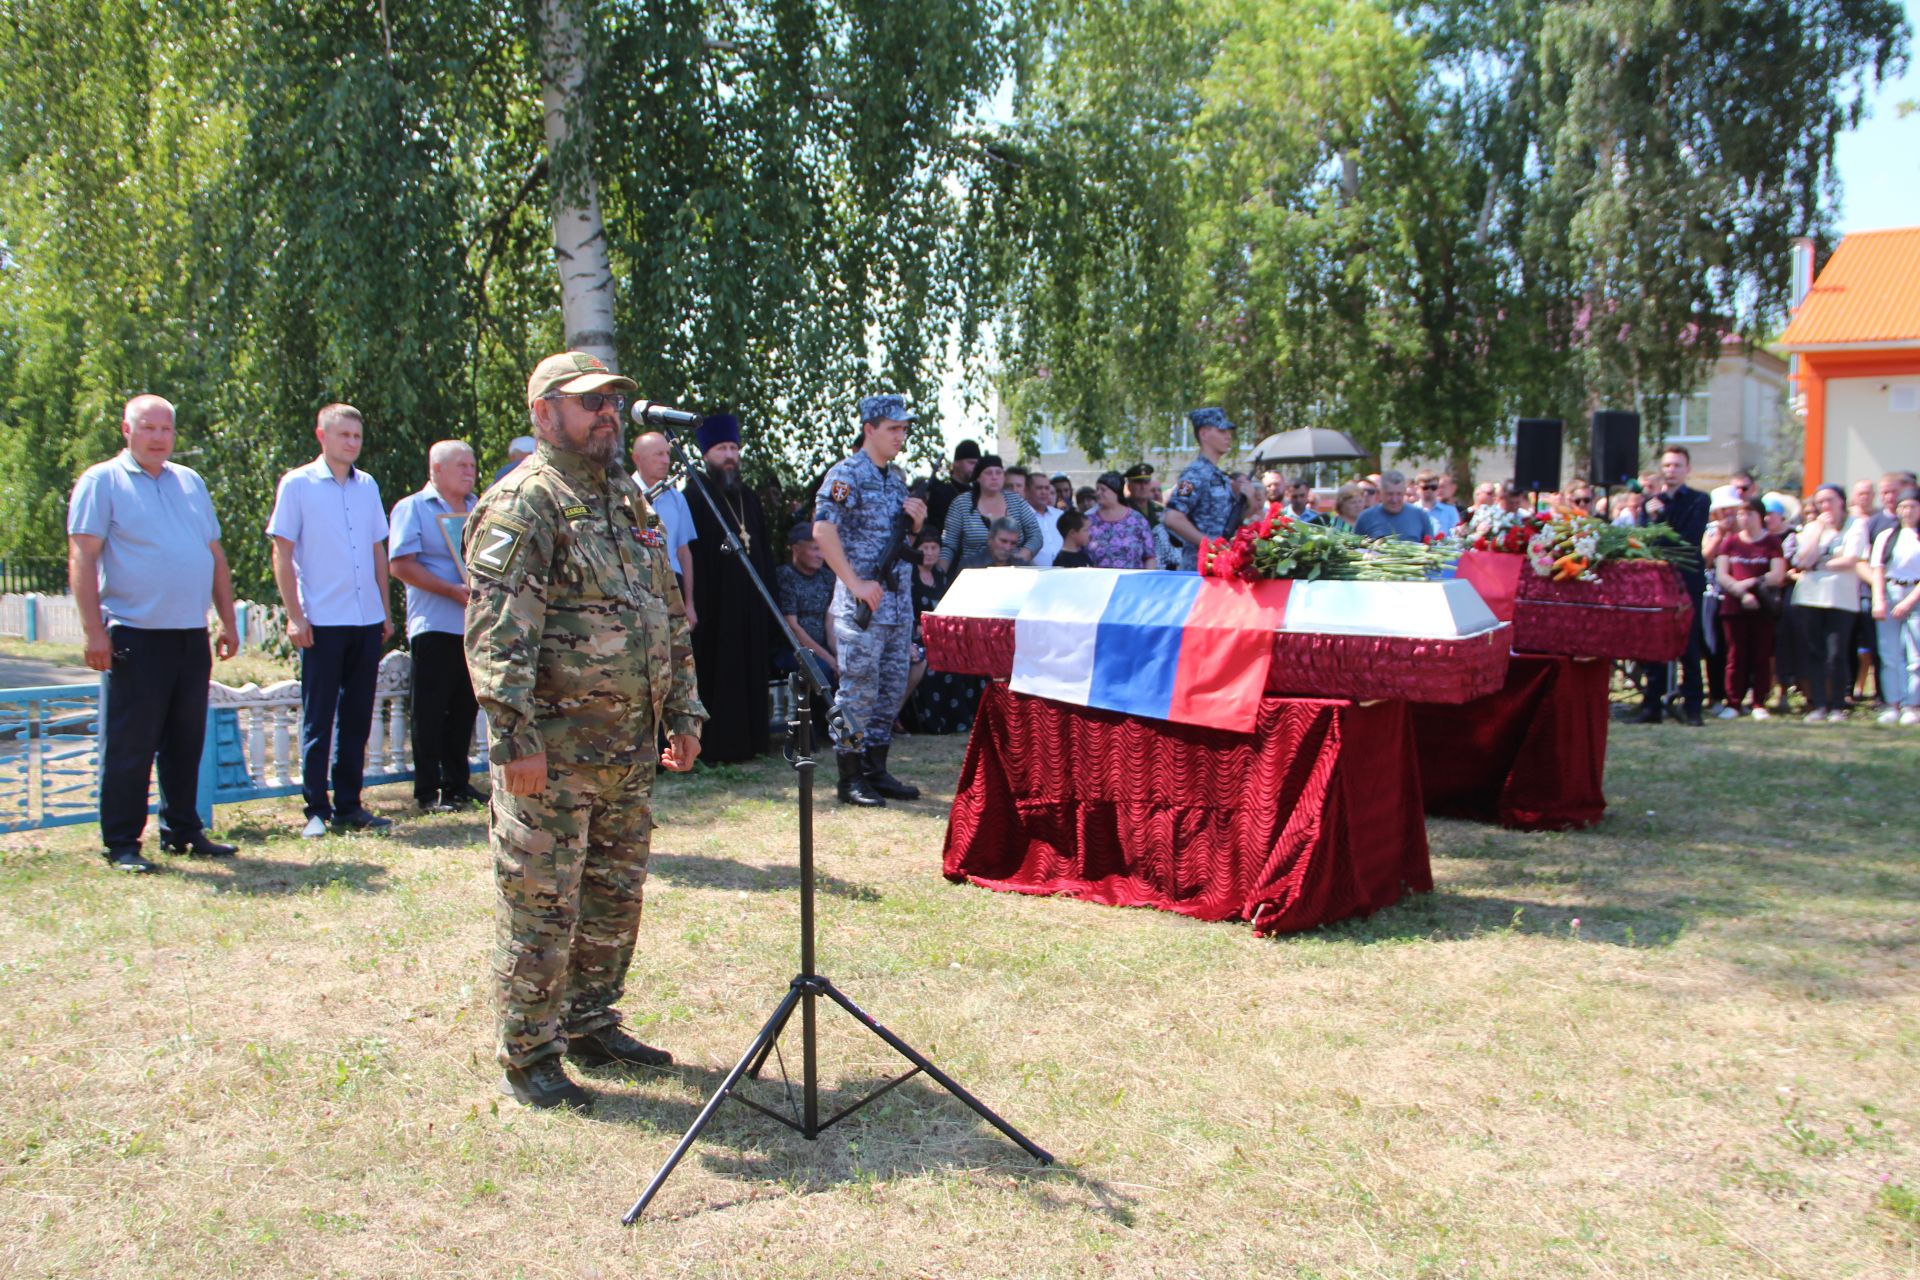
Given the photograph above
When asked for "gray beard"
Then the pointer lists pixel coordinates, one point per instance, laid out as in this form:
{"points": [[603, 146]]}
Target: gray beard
{"points": [[604, 451], [596, 450]]}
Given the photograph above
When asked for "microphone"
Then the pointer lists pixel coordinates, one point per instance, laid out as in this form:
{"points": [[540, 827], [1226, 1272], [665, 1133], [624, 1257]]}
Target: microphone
{"points": [[649, 413]]}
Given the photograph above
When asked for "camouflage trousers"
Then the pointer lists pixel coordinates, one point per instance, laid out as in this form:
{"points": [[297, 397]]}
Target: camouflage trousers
{"points": [[569, 867], [873, 673]]}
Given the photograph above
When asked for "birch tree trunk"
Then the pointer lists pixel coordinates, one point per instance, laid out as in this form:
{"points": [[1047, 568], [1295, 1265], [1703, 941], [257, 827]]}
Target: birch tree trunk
{"points": [[579, 239]]}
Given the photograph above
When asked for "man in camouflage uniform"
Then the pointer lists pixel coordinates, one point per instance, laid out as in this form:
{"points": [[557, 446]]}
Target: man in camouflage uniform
{"points": [[1141, 492], [853, 519], [1206, 503], [577, 640]]}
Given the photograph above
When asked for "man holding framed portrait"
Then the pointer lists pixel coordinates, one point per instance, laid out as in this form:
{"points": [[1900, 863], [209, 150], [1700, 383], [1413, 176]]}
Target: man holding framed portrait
{"points": [[425, 554]]}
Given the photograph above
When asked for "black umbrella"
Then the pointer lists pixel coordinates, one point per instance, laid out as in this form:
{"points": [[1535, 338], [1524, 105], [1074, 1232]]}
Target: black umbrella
{"points": [[1308, 444]]}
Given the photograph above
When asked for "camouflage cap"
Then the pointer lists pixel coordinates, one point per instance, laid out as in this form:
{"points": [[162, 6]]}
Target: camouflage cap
{"points": [[574, 373], [1209, 418], [891, 407]]}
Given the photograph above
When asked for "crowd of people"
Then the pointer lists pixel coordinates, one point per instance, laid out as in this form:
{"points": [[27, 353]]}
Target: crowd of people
{"points": [[605, 624], [1814, 626], [1806, 605]]}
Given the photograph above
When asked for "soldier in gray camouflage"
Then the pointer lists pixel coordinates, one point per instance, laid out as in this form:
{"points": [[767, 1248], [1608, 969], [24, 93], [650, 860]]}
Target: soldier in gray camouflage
{"points": [[577, 640], [853, 521], [1206, 502]]}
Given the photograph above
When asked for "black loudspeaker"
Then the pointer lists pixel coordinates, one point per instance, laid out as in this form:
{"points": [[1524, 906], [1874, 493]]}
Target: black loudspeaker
{"points": [[1536, 454], [1616, 447]]}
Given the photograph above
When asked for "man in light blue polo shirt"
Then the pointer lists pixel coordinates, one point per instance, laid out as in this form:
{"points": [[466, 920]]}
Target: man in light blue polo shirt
{"points": [[144, 563], [439, 691], [330, 563]]}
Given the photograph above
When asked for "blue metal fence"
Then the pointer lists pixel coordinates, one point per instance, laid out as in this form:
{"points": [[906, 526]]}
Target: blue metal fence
{"points": [[50, 759]]}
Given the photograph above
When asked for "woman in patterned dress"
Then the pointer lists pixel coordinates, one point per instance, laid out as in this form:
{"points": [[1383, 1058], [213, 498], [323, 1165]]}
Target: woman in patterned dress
{"points": [[1118, 536]]}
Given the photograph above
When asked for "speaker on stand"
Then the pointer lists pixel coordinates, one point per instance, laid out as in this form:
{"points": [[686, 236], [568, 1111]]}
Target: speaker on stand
{"points": [[1616, 449], [1536, 455]]}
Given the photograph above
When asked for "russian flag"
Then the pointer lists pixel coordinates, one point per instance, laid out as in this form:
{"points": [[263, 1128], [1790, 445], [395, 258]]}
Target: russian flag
{"points": [[1171, 646]]}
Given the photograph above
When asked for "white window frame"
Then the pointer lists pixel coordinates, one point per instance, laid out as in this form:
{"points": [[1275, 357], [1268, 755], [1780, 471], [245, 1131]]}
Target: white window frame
{"points": [[1686, 433]]}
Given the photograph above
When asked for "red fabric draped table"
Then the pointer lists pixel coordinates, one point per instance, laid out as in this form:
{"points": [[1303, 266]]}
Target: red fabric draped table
{"points": [[1313, 817], [1532, 756]]}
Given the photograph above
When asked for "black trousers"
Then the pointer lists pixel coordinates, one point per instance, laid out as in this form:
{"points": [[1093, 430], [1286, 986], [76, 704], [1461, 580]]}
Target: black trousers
{"points": [[440, 699], [1829, 635], [1690, 661], [336, 704], [156, 721]]}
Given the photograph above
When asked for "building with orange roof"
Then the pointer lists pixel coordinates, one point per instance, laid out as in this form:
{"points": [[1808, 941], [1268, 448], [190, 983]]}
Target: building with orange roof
{"points": [[1855, 339]]}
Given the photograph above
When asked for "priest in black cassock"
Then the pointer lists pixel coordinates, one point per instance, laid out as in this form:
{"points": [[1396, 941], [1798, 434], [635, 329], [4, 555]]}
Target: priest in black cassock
{"points": [[732, 640]]}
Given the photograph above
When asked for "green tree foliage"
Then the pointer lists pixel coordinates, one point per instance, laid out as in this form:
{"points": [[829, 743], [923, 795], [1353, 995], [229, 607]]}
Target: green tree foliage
{"points": [[255, 207], [1407, 219], [1413, 220]]}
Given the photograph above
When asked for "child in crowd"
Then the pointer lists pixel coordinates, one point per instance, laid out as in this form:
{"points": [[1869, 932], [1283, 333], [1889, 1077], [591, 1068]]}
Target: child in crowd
{"points": [[1073, 542]]}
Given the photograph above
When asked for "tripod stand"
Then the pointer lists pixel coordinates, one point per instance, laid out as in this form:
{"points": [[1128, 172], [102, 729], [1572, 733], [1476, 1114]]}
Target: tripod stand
{"points": [[807, 986]]}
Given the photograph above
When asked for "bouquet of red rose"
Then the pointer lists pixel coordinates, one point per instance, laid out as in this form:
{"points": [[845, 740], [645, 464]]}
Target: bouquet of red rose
{"points": [[1279, 546]]}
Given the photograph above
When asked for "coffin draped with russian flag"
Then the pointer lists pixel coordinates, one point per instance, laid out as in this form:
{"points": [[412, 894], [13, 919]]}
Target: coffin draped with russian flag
{"points": [[1202, 651]]}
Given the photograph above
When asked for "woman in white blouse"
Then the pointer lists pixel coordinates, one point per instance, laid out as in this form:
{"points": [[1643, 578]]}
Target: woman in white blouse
{"points": [[1826, 599]]}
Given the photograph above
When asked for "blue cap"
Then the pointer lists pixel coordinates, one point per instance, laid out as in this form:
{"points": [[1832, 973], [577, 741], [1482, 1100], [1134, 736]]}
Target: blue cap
{"points": [[718, 428], [1776, 507], [874, 408], [1209, 418]]}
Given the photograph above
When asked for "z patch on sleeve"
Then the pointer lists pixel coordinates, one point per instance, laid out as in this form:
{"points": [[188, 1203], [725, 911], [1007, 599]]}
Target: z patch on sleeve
{"points": [[495, 546]]}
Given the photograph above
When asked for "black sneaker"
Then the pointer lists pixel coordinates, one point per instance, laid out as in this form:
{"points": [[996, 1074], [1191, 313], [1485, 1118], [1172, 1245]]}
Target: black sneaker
{"points": [[545, 1084], [614, 1047], [360, 820], [198, 845], [463, 799], [129, 860]]}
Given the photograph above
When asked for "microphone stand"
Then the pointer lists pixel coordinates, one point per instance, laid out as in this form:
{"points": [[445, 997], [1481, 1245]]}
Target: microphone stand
{"points": [[806, 988]]}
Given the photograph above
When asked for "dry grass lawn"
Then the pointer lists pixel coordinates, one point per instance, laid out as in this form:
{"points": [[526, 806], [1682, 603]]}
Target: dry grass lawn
{"points": [[1684, 1044]]}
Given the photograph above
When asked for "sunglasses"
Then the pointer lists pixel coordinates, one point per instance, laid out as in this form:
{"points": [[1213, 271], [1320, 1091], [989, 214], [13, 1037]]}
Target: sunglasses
{"points": [[594, 401], [1429, 486]]}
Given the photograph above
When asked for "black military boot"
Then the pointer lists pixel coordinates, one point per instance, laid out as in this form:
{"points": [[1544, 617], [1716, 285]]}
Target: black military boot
{"points": [[545, 1084], [855, 786], [613, 1047], [882, 781]]}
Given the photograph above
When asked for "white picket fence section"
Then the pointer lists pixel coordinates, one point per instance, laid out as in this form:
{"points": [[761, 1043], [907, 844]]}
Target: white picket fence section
{"points": [[269, 724], [56, 619]]}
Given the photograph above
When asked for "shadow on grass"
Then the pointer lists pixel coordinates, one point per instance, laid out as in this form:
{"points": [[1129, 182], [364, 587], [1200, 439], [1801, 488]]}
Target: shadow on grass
{"points": [[1447, 916], [266, 877], [913, 1129], [695, 870], [693, 798]]}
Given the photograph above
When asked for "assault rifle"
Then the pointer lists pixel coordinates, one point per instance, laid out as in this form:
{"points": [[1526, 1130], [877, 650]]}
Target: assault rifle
{"points": [[883, 572]]}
